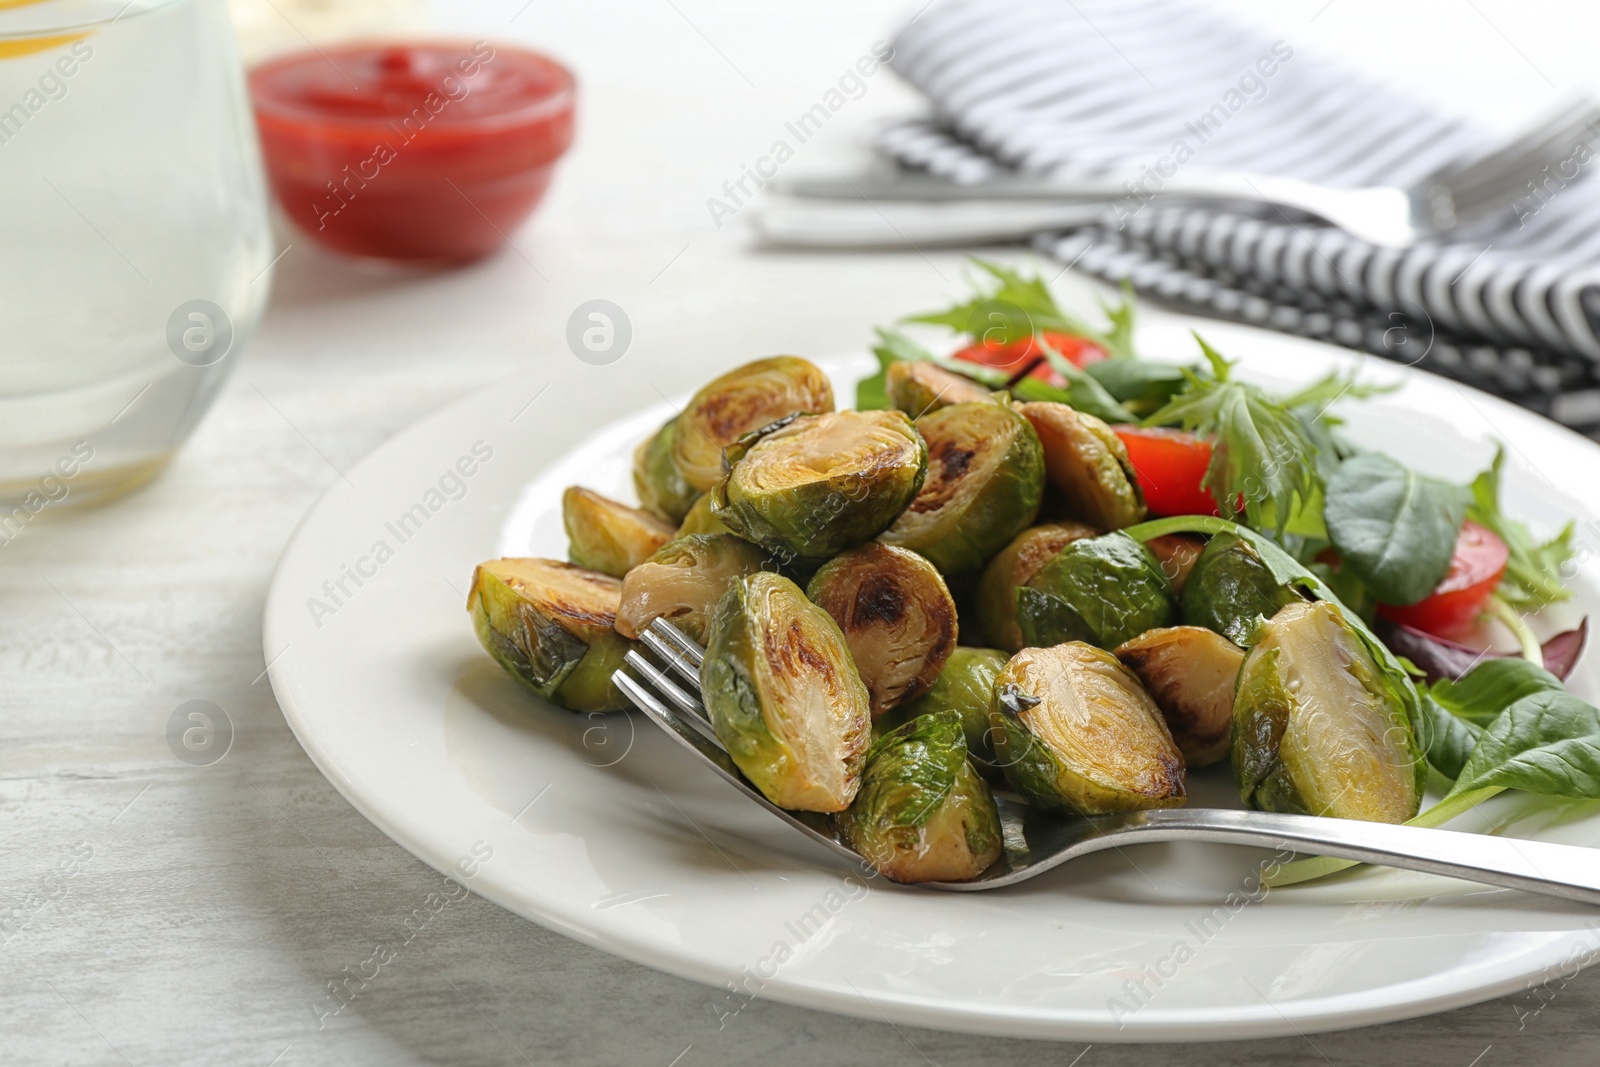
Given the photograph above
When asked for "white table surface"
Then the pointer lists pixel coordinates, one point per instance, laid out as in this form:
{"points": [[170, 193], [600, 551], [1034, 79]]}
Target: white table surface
{"points": [[210, 907]]}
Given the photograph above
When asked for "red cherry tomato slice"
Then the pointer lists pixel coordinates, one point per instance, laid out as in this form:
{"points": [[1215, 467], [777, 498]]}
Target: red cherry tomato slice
{"points": [[1170, 464], [1456, 602], [1018, 354]]}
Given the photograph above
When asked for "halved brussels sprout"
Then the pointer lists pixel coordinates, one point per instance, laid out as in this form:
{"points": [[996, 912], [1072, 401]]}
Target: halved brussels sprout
{"points": [[1073, 729], [784, 696], [1229, 587], [1176, 554], [684, 582], [985, 480], [1087, 464], [656, 479], [1190, 671], [818, 484], [996, 599], [549, 624], [1103, 590], [917, 388], [923, 814], [897, 616], [1318, 728], [965, 686], [609, 537], [700, 519], [739, 402]]}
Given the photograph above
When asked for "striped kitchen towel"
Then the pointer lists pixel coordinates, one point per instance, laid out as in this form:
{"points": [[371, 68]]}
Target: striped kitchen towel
{"points": [[1071, 88]]}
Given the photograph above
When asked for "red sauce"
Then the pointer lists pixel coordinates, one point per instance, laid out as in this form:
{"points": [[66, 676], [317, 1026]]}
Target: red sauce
{"points": [[419, 152]]}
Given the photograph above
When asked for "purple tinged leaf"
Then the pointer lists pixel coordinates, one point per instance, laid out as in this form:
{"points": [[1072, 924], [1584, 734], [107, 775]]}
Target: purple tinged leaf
{"points": [[1438, 657]]}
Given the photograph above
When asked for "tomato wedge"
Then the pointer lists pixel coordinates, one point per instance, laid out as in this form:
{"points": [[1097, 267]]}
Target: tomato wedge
{"points": [[1017, 354], [1457, 601], [1170, 464]]}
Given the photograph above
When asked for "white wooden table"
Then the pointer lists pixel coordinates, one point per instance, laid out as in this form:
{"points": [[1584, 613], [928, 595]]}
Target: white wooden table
{"points": [[160, 913]]}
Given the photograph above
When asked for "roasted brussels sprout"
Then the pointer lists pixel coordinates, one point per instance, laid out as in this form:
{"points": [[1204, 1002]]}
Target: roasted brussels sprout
{"points": [[1074, 729], [985, 480], [1318, 727], [784, 697], [1176, 554], [609, 537], [700, 520], [917, 388], [1229, 587], [923, 814], [1087, 464], [549, 624], [1190, 671], [683, 582], [965, 686], [745, 399], [1103, 590], [819, 484], [995, 601], [897, 616], [656, 479]]}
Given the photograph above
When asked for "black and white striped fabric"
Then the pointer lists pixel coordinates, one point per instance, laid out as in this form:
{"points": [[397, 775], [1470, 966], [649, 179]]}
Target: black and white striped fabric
{"points": [[1072, 88]]}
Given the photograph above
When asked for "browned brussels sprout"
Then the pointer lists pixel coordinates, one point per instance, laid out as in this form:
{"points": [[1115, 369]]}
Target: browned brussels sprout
{"points": [[739, 402], [660, 487], [1103, 590], [965, 686], [917, 388], [1190, 671], [818, 484], [609, 537], [784, 696], [549, 625], [1074, 729], [923, 814], [1176, 554], [1017, 563], [985, 480], [1087, 463], [700, 520], [897, 616], [1230, 587], [683, 582]]}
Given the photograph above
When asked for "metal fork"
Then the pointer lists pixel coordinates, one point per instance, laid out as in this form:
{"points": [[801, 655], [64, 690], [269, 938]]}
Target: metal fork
{"points": [[1036, 841], [878, 209]]}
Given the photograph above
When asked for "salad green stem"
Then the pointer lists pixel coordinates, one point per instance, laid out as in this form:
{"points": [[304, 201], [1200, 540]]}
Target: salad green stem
{"points": [[1512, 620]]}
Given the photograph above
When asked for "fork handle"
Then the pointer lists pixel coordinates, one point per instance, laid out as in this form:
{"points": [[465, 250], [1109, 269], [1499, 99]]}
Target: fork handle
{"points": [[1569, 871]]}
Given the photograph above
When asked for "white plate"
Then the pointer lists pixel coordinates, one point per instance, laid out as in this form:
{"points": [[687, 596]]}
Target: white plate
{"points": [[603, 829]]}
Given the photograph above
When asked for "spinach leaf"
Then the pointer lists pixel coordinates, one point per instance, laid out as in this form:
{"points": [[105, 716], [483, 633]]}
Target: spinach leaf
{"points": [[1139, 383], [1533, 573], [1447, 740], [1395, 529], [1491, 687], [1547, 743]]}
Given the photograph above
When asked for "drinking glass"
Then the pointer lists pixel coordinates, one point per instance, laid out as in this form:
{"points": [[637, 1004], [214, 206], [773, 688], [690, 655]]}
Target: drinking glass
{"points": [[135, 253]]}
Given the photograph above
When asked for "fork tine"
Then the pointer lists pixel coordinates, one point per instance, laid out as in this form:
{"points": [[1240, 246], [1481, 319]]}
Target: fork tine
{"points": [[672, 656], [695, 654], [664, 686]]}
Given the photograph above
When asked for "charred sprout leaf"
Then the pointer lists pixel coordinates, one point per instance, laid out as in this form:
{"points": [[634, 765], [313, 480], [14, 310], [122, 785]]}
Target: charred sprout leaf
{"points": [[609, 537], [1394, 529], [549, 625], [656, 479], [918, 388], [701, 520], [896, 614], [1017, 563], [1176, 554], [1088, 465], [1533, 573], [1230, 587], [966, 687], [923, 814], [985, 481], [1190, 672], [819, 484], [684, 582], [784, 696], [1319, 728], [1103, 590], [1074, 729], [1260, 449], [739, 402]]}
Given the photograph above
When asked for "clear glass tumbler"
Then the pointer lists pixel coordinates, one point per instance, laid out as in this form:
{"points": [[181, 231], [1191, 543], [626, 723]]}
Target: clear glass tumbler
{"points": [[135, 253]]}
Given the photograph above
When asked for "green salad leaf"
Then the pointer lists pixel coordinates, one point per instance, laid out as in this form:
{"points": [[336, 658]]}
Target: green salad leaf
{"points": [[1533, 573], [1018, 306], [1394, 529], [1547, 742]]}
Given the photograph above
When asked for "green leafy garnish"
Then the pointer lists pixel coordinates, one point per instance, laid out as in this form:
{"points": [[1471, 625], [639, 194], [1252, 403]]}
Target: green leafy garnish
{"points": [[1394, 529], [1019, 307], [1533, 573]]}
